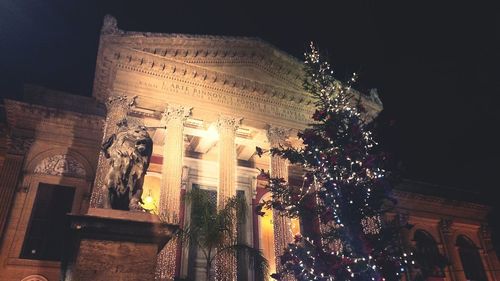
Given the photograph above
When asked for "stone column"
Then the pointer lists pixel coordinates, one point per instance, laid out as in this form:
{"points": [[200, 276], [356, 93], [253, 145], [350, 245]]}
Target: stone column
{"points": [[225, 268], [117, 109], [486, 251], [10, 174], [279, 169], [455, 268], [170, 189]]}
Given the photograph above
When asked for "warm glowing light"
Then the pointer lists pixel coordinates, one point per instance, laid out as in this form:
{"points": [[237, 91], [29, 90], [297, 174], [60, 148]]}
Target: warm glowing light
{"points": [[212, 133], [148, 199], [267, 239], [151, 193]]}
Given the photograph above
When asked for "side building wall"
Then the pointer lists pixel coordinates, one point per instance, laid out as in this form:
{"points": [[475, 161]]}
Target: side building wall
{"points": [[60, 145]]}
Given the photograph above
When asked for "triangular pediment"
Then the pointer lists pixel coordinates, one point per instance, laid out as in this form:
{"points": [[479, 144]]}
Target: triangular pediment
{"points": [[247, 57], [240, 66]]}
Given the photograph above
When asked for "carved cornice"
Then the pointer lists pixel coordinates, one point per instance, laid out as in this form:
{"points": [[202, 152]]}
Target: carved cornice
{"points": [[277, 135], [228, 123], [165, 67], [441, 201], [30, 116], [176, 112], [207, 49]]}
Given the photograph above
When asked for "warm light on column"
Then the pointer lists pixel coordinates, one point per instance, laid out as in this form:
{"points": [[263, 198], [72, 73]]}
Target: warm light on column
{"points": [[267, 240], [295, 226]]}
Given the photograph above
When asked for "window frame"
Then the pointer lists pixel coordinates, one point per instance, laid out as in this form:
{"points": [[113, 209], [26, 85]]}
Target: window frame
{"points": [[44, 255], [24, 203]]}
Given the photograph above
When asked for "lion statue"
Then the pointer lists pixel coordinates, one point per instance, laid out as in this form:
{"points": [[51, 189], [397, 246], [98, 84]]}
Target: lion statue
{"points": [[128, 153]]}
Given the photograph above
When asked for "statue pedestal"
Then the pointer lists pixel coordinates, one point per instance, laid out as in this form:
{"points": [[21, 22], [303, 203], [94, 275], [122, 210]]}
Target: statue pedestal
{"points": [[114, 245]]}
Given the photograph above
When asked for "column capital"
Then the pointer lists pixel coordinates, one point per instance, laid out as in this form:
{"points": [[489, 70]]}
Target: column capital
{"points": [[277, 135], [485, 231], [176, 112], [122, 101], [226, 122], [445, 225], [18, 145]]}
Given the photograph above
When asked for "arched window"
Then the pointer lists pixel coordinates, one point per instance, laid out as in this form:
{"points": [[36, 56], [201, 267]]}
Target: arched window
{"points": [[429, 260], [471, 261]]}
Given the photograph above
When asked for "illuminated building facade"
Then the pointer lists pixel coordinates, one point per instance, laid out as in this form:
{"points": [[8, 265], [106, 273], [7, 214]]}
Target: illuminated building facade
{"points": [[218, 98]]}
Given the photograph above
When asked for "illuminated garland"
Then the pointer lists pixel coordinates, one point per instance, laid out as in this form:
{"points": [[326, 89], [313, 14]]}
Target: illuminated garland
{"points": [[344, 194]]}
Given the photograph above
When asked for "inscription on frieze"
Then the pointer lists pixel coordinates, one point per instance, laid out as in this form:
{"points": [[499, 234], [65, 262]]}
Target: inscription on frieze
{"points": [[255, 103]]}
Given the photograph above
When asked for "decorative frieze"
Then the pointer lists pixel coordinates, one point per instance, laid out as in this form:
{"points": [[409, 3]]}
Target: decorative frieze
{"points": [[215, 89]]}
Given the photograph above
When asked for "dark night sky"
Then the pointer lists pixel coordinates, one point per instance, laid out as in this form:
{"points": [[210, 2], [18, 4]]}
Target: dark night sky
{"points": [[436, 67]]}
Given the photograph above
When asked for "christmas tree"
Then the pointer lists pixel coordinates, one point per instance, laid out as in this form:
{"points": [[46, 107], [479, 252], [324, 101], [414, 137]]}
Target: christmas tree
{"points": [[344, 199]]}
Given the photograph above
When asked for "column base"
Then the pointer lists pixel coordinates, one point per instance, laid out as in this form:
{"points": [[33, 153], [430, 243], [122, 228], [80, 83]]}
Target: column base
{"points": [[110, 244]]}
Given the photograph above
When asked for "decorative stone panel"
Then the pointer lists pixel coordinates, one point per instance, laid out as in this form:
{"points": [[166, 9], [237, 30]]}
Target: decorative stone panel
{"points": [[60, 165]]}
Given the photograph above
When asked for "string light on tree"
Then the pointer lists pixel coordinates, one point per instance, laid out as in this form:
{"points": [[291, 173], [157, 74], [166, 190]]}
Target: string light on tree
{"points": [[344, 193]]}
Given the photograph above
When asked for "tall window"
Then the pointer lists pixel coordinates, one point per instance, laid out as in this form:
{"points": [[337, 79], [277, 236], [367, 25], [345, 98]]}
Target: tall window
{"points": [[430, 261], [48, 225], [471, 261]]}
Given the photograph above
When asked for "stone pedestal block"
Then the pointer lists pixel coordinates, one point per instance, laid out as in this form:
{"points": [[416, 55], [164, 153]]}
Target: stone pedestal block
{"points": [[114, 245]]}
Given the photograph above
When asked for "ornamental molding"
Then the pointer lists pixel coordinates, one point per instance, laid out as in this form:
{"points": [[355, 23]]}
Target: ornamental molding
{"points": [[61, 165], [164, 67], [207, 49], [228, 98]]}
